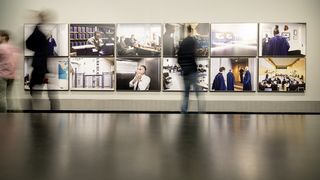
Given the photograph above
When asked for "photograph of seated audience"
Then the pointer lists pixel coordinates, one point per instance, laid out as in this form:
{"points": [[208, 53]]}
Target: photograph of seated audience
{"points": [[278, 39], [282, 74], [175, 33], [138, 74], [57, 38], [233, 74], [138, 40], [92, 73], [92, 39], [173, 78], [236, 39]]}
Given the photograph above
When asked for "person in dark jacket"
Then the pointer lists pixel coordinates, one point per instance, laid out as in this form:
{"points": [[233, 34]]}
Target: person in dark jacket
{"points": [[38, 43], [187, 62], [230, 81], [247, 80], [278, 45], [218, 82], [241, 71]]}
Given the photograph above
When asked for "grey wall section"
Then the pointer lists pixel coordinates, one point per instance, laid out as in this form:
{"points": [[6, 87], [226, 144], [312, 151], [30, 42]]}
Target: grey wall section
{"points": [[14, 14]]}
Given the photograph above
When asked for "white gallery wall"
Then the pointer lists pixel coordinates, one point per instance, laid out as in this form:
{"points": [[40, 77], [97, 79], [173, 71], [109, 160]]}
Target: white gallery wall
{"points": [[15, 13]]}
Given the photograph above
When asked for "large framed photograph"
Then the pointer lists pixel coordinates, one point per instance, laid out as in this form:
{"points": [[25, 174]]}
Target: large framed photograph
{"points": [[282, 74], [282, 39], [174, 34], [173, 78], [143, 40], [92, 40], [235, 39], [138, 74], [57, 37], [55, 79], [92, 73], [236, 74]]}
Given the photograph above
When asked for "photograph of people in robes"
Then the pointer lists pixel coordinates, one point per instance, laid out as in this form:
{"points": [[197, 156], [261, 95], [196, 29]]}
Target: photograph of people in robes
{"points": [[282, 39], [57, 77], [173, 77], [92, 40], [282, 74], [92, 73], [236, 39], [138, 74], [139, 40], [233, 74], [174, 34], [57, 37]]}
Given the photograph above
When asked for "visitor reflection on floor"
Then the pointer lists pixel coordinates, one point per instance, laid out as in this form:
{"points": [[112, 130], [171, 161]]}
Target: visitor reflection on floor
{"points": [[159, 146]]}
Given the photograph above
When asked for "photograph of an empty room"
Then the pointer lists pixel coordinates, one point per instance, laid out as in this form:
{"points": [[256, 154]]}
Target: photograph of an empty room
{"points": [[234, 39]]}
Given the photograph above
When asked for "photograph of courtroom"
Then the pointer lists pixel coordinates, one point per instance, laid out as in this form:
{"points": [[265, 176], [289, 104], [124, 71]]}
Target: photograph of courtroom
{"points": [[159, 90], [282, 74]]}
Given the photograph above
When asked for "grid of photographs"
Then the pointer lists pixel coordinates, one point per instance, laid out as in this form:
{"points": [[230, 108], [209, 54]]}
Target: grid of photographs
{"points": [[172, 79], [282, 62], [243, 57]]}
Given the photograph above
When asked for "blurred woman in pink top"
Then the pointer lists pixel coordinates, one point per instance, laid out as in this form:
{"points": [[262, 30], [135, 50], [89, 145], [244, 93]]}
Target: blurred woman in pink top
{"points": [[8, 66]]}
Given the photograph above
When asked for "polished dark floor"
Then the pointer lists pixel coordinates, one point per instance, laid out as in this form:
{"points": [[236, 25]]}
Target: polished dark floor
{"points": [[159, 147]]}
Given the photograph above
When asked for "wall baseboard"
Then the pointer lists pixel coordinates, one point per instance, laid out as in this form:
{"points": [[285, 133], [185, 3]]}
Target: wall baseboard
{"points": [[121, 105]]}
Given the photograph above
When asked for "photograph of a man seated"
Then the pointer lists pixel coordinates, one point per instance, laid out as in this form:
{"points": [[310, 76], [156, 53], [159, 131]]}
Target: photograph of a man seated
{"points": [[140, 82], [138, 40], [282, 74], [92, 40], [279, 39], [175, 33], [138, 74]]}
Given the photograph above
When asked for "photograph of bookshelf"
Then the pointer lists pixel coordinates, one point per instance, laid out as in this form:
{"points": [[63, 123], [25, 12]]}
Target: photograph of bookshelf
{"points": [[92, 39]]}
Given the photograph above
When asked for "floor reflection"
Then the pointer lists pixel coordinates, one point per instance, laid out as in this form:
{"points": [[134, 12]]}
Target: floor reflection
{"points": [[159, 146]]}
